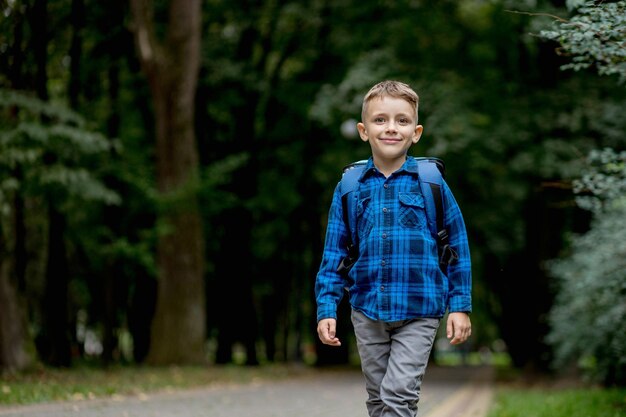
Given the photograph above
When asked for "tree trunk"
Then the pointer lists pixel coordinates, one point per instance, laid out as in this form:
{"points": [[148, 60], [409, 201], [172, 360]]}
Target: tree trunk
{"points": [[17, 350], [14, 354], [38, 23], [54, 340], [76, 52], [16, 78], [55, 347], [178, 329], [16, 347]]}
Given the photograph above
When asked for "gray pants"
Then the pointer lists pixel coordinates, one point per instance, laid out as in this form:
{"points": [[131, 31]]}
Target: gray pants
{"points": [[393, 359]]}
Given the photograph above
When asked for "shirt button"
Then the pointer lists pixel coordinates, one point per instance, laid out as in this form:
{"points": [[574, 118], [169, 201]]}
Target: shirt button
{"points": [[383, 263], [382, 288], [385, 210], [386, 185], [384, 235]]}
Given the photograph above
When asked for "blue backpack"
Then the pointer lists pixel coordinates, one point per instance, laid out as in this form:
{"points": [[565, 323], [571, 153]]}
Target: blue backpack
{"points": [[430, 173]]}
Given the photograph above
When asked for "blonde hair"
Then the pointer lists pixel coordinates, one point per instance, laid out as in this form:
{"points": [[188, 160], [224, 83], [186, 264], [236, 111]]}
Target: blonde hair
{"points": [[391, 88]]}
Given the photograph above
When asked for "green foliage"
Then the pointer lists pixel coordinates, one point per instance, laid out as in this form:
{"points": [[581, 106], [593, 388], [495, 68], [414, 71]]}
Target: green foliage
{"points": [[213, 198], [45, 149], [594, 37], [50, 157], [552, 402], [333, 102], [604, 183], [588, 319]]}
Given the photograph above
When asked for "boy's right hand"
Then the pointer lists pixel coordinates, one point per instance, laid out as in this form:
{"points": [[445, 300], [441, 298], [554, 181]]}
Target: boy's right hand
{"points": [[326, 329]]}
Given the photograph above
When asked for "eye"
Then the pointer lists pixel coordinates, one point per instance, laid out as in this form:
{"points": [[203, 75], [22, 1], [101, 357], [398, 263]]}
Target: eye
{"points": [[379, 120], [404, 121]]}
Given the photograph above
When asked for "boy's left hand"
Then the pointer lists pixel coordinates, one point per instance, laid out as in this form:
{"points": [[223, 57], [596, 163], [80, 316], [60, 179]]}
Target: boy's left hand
{"points": [[459, 328]]}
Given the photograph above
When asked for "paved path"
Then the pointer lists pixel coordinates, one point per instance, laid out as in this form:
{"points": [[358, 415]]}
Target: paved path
{"points": [[446, 392]]}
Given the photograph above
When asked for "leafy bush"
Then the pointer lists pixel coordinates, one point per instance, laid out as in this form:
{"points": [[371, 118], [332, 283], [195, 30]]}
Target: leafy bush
{"points": [[594, 37], [588, 319], [47, 149]]}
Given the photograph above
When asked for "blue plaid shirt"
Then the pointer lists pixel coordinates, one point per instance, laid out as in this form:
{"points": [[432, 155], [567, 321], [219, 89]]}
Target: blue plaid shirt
{"points": [[397, 275]]}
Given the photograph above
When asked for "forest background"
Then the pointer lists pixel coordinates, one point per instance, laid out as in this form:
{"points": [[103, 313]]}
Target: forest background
{"points": [[166, 169]]}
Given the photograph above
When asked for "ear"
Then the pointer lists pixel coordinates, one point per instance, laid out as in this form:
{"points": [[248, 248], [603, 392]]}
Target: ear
{"points": [[417, 134], [362, 132]]}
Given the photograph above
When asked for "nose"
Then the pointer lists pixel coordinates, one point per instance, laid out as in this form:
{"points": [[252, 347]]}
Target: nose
{"points": [[391, 126]]}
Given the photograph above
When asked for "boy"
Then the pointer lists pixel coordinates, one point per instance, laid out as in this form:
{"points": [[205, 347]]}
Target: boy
{"points": [[396, 288]]}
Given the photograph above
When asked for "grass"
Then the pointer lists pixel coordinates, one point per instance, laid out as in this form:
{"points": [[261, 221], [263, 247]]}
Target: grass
{"points": [[84, 382], [455, 358], [573, 402], [523, 396]]}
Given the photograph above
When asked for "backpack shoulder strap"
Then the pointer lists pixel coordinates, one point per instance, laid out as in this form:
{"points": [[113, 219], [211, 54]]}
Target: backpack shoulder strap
{"points": [[348, 184], [350, 176], [431, 172]]}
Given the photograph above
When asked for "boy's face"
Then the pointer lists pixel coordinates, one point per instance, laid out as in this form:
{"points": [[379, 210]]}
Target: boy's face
{"points": [[390, 126]]}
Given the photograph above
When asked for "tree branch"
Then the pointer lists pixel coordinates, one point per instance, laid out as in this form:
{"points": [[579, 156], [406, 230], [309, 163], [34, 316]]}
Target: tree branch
{"points": [[142, 26], [560, 19]]}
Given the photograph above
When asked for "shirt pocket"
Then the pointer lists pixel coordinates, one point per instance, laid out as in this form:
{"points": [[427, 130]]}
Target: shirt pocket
{"points": [[364, 217], [412, 213]]}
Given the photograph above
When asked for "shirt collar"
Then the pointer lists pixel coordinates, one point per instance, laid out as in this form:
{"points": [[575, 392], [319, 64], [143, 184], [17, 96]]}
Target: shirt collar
{"points": [[409, 166]]}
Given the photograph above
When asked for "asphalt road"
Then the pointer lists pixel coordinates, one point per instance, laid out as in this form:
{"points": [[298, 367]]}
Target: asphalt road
{"points": [[446, 392]]}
